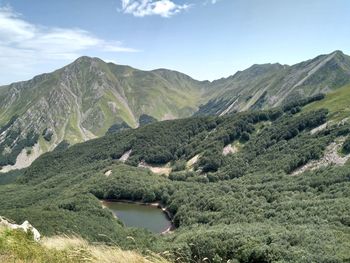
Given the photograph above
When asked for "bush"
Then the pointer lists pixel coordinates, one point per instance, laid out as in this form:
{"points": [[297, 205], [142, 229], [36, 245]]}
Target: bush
{"points": [[179, 165], [346, 146]]}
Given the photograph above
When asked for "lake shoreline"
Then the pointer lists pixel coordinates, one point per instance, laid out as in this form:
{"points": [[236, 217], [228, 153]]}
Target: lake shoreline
{"points": [[159, 205]]}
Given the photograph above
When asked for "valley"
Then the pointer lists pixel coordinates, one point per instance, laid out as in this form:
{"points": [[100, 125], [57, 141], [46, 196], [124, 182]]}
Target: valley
{"points": [[247, 199], [260, 181], [175, 131]]}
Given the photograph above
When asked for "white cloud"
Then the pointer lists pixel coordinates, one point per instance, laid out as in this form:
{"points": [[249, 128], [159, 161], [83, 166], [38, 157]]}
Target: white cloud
{"points": [[24, 45], [141, 8], [211, 2]]}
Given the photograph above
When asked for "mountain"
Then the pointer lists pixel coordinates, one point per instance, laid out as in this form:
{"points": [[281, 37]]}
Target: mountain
{"points": [[89, 97], [83, 100], [269, 85]]}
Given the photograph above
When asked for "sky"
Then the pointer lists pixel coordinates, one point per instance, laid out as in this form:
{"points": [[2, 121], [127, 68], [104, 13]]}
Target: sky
{"points": [[206, 39]]}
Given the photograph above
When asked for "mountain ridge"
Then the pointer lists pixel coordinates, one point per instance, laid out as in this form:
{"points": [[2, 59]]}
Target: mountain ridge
{"points": [[283, 82], [84, 99]]}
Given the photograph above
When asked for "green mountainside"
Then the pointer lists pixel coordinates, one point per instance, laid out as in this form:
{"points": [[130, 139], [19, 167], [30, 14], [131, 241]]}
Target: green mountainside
{"points": [[89, 97], [336, 102], [240, 188]]}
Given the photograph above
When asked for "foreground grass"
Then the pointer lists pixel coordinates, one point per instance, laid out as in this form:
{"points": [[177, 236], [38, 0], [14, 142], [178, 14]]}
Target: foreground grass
{"points": [[17, 246]]}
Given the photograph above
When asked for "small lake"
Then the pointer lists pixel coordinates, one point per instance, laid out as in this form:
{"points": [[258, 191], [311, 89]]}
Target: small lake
{"points": [[142, 216]]}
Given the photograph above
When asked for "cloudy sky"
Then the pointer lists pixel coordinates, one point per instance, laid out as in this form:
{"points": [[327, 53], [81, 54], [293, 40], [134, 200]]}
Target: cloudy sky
{"points": [[207, 39]]}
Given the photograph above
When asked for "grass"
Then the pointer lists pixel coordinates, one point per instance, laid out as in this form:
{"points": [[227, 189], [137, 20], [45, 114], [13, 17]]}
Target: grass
{"points": [[73, 134], [17, 246], [111, 117], [44, 145], [336, 102]]}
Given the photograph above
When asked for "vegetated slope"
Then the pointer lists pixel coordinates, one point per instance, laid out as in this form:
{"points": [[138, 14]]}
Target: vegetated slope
{"points": [[269, 85], [17, 246], [336, 102], [82, 100], [244, 206]]}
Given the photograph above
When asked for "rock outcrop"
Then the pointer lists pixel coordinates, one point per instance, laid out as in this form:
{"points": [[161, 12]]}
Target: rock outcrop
{"points": [[26, 227]]}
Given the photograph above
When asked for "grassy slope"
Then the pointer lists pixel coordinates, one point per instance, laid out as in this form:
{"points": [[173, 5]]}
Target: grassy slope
{"points": [[337, 102], [16, 246]]}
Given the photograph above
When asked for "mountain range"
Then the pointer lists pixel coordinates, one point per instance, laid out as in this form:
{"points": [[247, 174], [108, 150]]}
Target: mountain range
{"points": [[82, 100]]}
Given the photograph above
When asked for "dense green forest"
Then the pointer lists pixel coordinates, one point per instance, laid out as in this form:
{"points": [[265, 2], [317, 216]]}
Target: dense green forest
{"points": [[245, 206]]}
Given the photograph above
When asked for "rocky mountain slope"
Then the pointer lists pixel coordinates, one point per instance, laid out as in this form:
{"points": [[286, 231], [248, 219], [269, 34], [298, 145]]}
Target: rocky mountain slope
{"points": [[270, 85], [84, 99]]}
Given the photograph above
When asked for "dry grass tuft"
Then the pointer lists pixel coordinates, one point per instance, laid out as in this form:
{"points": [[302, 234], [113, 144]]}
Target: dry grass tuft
{"points": [[18, 247]]}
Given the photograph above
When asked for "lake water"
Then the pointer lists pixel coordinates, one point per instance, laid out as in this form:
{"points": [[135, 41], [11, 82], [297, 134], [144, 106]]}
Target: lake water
{"points": [[142, 216]]}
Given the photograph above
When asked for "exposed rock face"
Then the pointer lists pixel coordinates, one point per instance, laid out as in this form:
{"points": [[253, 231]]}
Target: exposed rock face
{"points": [[125, 156], [24, 159], [229, 149], [26, 226], [190, 163], [161, 170], [108, 173]]}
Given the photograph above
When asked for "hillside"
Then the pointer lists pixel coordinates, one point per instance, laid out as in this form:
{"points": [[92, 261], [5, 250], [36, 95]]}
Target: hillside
{"points": [[243, 204], [89, 97]]}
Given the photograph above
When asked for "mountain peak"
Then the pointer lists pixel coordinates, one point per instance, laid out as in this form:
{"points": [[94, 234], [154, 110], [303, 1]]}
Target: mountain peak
{"points": [[87, 60], [338, 52], [82, 63]]}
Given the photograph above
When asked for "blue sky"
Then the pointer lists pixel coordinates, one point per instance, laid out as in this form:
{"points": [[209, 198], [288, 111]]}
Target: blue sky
{"points": [[206, 39]]}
